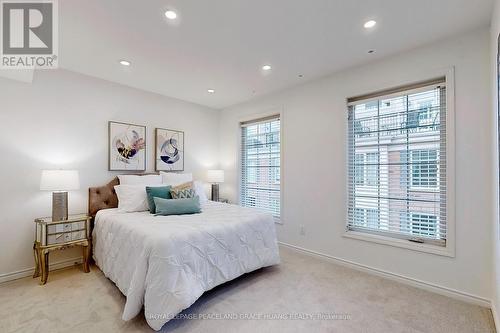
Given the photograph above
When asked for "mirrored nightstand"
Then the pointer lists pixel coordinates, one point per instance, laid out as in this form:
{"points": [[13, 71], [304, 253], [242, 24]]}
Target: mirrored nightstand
{"points": [[57, 235]]}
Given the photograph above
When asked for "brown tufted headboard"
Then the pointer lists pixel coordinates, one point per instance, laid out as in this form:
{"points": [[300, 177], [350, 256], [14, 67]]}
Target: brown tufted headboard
{"points": [[103, 197]]}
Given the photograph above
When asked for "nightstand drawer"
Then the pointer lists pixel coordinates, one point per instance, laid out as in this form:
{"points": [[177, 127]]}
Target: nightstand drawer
{"points": [[66, 237], [58, 239], [58, 228], [65, 227], [78, 226], [77, 235]]}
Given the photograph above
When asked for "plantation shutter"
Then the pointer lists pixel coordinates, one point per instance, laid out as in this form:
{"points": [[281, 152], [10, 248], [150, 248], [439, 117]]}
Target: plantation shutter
{"points": [[260, 185], [397, 163]]}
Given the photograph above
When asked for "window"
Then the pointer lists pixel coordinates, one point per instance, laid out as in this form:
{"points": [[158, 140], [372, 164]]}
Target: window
{"points": [[397, 164], [360, 169], [367, 169], [419, 224], [371, 169], [424, 168], [423, 224], [366, 217], [426, 111], [261, 165]]}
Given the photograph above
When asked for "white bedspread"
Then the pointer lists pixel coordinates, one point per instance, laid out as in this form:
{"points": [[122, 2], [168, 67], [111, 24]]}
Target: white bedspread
{"points": [[167, 262]]}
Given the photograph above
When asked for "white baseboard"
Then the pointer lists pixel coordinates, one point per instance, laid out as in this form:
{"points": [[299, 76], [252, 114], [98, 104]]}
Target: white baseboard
{"points": [[496, 319], [456, 294], [29, 271]]}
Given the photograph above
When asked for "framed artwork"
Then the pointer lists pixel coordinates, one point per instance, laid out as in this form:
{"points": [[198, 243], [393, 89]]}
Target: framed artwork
{"points": [[127, 147], [169, 147]]}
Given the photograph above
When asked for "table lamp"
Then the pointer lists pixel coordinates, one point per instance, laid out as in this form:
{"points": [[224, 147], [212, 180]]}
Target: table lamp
{"points": [[59, 182], [215, 177]]}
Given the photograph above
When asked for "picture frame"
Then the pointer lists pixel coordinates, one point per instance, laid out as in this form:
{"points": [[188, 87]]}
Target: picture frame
{"points": [[126, 147], [169, 150]]}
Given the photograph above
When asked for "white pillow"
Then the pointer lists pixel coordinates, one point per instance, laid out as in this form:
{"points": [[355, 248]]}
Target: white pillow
{"points": [[174, 179], [132, 198], [199, 189], [140, 180]]}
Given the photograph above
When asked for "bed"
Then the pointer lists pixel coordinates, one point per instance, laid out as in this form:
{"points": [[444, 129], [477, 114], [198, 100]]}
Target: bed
{"points": [[165, 263]]}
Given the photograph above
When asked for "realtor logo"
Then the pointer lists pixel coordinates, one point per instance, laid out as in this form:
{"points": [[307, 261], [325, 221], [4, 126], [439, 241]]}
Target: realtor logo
{"points": [[29, 34]]}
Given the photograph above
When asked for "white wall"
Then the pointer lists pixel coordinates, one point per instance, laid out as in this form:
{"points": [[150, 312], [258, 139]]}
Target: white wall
{"points": [[495, 31], [315, 162], [60, 121]]}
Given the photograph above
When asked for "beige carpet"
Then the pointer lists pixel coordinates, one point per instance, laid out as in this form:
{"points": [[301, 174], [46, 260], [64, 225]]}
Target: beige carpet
{"points": [[301, 286]]}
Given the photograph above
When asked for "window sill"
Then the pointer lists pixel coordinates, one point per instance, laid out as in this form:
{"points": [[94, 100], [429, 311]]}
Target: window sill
{"points": [[402, 243]]}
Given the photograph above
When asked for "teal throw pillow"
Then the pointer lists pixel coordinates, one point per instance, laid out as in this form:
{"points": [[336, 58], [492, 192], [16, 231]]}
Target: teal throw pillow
{"points": [[177, 206], [158, 192]]}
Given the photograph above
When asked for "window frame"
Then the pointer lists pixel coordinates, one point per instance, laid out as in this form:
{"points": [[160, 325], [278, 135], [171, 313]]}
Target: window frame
{"points": [[278, 112], [388, 91]]}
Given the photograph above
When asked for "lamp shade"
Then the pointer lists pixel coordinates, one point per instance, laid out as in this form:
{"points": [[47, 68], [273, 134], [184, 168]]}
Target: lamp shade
{"points": [[59, 180], [215, 176]]}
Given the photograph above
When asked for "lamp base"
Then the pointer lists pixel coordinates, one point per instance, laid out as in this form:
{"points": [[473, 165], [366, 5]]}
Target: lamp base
{"points": [[59, 206], [215, 192]]}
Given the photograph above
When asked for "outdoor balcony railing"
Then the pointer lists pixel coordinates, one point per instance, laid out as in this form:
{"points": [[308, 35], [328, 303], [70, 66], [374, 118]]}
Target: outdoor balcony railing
{"points": [[395, 124]]}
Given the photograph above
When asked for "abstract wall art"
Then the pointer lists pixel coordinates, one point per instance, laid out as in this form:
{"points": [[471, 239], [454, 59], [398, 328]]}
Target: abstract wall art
{"points": [[169, 150], [127, 147]]}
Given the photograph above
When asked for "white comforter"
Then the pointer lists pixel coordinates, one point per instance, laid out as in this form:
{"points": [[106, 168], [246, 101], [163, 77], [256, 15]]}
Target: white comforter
{"points": [[167, 262]]}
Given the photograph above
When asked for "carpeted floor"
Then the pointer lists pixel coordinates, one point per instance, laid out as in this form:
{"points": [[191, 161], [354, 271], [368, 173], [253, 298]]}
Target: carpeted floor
{"points": [[302, 287]]}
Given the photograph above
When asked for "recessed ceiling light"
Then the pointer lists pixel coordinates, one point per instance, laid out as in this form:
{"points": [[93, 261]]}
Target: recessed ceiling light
{"points": [[266, 67], [170, 14], [211, 91], [370, 24], [125, 62]]}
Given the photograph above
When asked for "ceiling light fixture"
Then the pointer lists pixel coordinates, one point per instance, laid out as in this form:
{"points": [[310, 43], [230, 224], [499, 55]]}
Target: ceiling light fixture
{"points": [[371, 51], [370, 24], [266, 67], [124, 63], [170, 14], [211, 91]]}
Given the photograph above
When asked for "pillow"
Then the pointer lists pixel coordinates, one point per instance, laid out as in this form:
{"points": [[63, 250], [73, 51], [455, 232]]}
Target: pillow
{"points": [[157, 192], [177, 206], [184, 186], [131, 198], [140, 180], [183, 191], [199, 189], [174, 179]]}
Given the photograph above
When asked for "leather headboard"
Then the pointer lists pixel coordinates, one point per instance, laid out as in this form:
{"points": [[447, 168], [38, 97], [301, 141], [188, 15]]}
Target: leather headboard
{"points": [[103, 197]]}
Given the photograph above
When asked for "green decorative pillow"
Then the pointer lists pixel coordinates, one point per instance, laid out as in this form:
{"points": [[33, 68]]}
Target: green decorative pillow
{"points": [[158, 192], [183, 191], [177, 206]]}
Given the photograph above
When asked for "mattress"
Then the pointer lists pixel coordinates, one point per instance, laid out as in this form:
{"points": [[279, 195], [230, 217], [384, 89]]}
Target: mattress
{"points": [[165, 263]]}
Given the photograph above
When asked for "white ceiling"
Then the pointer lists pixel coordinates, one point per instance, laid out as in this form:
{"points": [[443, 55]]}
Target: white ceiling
{"points": [[222, 44]]}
